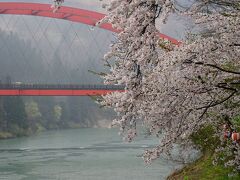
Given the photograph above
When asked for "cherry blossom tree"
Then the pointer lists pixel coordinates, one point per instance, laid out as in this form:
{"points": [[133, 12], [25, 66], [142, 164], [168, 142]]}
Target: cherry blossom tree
{"points": [[173, 91], [135, 56]]}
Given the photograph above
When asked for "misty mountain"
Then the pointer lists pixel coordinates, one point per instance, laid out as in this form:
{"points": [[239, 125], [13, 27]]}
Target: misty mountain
{"points": [[53, 53]]}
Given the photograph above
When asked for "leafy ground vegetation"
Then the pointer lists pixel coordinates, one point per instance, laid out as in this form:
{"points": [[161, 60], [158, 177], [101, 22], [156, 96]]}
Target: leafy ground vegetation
{"points": [[204, 168]]}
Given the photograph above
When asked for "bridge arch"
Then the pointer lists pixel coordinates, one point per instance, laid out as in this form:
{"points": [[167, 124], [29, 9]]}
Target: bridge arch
{"points": [[65, 13]]}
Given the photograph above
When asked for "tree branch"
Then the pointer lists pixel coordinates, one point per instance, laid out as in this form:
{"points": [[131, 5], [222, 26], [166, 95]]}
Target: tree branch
{"points": [[217, 103], [189, 61]]}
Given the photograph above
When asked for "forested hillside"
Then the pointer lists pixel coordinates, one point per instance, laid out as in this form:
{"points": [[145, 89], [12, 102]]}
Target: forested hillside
{"points": [[25, 115]]}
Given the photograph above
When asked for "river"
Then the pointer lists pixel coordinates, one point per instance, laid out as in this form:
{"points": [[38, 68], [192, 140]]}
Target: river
{"points": [[79, 154]]}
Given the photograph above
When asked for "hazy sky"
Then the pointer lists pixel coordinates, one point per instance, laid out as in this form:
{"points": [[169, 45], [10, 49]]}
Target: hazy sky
{"points": [[175, 27], [76, 45], [85, 4], [53, 31]]}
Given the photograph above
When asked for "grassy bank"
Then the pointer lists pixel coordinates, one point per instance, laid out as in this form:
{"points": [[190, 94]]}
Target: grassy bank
{"points": [[203, 168]]}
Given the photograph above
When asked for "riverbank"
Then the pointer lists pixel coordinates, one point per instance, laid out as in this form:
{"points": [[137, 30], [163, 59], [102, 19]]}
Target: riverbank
{"points": [[14, 131], [203, 168], [19, 132], [6, 135], [26, 116]]}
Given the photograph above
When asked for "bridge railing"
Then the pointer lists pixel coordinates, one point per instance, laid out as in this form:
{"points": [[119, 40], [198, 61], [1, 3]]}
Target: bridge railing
{"points": [[62, 86]]}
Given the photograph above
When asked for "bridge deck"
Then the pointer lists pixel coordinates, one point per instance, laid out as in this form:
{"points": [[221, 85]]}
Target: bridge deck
{"points": [[57, 90]]}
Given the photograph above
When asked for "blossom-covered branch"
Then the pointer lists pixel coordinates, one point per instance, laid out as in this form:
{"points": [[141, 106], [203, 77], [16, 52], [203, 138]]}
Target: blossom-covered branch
{"points": [[135, 55], [173, 91], [56, 5]]}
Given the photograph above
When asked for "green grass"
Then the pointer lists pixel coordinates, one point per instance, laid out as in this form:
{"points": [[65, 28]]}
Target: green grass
{"points": [[203, 168]]}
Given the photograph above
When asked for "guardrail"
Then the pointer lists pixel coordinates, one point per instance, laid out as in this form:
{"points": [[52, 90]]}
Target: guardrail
{"points": [[62, 86]]}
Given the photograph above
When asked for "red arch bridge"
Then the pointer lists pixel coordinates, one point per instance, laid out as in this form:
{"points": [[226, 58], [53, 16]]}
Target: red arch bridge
{"points": [[65, 13]]}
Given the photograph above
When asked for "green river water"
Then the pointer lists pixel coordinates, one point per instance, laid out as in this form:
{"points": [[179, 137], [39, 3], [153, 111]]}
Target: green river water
{"points": [[79, 154]]}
